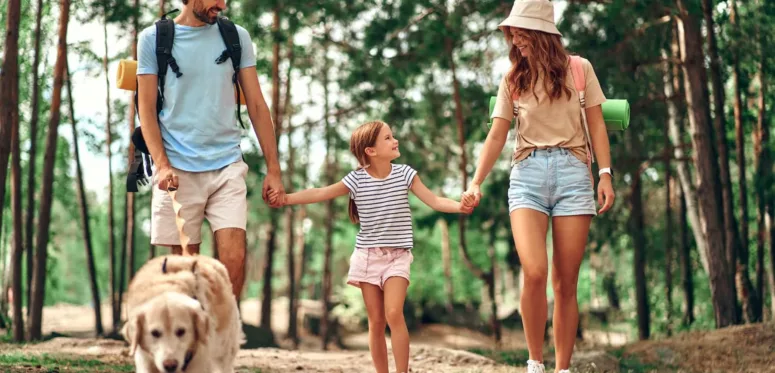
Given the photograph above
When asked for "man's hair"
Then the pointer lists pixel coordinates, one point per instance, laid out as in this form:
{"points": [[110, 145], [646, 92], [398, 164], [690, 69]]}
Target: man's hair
{"points": [[185, 2]]}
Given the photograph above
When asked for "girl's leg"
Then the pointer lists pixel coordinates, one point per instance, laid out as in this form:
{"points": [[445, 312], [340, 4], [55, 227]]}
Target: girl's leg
{"points": [[569, 236], [372, 296], [395, 293], [529, 229]]}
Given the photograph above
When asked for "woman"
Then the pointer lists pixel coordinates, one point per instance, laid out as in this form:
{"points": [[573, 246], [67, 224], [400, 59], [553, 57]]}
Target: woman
{"points": [[550, 173]]}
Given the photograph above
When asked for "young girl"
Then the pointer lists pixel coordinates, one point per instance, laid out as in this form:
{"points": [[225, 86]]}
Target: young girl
{"points": [[379, 201], [550, 176]]}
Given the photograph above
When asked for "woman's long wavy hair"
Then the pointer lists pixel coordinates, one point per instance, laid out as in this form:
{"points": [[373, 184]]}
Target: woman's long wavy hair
{"points": [[365, 136], [548, 59]]}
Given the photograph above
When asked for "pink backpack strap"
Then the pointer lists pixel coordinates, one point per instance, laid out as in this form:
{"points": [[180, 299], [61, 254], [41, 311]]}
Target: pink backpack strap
{"points": [[578, 73], [580, 82]]}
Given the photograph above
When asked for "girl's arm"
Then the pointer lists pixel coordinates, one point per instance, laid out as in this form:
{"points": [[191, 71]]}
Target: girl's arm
{"points": [[435, 202], [312, 195]]}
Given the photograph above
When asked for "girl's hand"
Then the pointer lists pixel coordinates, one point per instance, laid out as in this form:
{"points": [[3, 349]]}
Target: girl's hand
{"points": [[605, 193], [277, 199]]}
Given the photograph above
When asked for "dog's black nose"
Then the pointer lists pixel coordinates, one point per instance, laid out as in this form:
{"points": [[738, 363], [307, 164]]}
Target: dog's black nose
{"points": [[170, 365]]}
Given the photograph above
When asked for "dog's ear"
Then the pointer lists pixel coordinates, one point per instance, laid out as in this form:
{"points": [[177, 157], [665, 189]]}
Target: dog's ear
{"points": [[201, 325], [134, 332]]}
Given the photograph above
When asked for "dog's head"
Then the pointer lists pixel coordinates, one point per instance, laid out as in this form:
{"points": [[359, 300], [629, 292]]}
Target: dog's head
{"points": [[170, 328]]}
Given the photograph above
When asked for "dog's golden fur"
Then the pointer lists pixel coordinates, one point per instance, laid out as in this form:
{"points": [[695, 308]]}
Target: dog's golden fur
{"points": [[204, 285]]}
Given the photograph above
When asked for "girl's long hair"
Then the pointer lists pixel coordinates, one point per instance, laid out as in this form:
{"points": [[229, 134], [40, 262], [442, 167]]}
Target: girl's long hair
{"points": [[548, 59], [365, 136]]}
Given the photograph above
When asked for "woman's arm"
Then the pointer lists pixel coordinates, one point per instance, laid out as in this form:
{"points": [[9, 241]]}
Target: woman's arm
{"points": [[602, 149], [435, 202], [491, 150], [599, 135]]}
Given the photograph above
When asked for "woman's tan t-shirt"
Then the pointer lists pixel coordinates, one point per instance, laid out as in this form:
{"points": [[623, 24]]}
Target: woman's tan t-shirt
{"points": [[543, 123]]}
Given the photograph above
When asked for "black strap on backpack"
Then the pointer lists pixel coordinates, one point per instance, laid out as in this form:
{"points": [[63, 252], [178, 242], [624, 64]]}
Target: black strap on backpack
{"points": [[233, 51], [140, 170]]}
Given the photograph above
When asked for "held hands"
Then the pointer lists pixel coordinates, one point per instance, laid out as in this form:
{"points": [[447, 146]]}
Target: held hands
{"points": [[276, 199], [273, 185], [467, 203]]}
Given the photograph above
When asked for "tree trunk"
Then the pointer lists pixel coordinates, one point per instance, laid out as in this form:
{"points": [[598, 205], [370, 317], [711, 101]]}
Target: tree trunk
{"points": [[325, 321], [9, 116], [30, 214], [735, 252], [271, 242], [84, 210], [129, 205], [668, 235], [637, 227], [763, 174], [293, 334], [495, 323], [446, 259], [301, 263], [115, 276], [721, 273], [46, 190], [686, 262], [682, 167], [740, 141]]}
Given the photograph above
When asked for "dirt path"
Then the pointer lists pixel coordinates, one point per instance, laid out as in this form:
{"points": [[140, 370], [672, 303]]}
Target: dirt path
{"points": [[435, 348], [425, 359]]}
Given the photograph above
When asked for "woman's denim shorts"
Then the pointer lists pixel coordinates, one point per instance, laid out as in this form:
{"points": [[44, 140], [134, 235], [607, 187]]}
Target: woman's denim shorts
{"points": [[552, 181]]}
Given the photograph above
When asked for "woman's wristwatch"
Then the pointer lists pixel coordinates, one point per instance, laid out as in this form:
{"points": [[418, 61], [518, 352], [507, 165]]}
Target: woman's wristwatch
{"points": [[606, 170]]}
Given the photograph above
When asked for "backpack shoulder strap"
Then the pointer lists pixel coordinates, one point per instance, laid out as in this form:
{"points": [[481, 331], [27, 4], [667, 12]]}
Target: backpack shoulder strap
{"points": [[577, 69], [580, 82], [165, 36], [233, 51], [231, 39]]}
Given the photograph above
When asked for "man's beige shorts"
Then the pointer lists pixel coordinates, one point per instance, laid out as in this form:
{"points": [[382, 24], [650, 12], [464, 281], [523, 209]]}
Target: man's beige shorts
{"points": [[220, 196]]}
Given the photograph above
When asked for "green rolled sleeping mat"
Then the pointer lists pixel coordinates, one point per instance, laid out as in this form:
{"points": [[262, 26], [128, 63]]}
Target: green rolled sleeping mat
{"points": [[616, 114]]}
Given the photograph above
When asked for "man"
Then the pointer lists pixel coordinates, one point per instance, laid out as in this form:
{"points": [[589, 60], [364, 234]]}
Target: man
{"points": [[195, 142]]}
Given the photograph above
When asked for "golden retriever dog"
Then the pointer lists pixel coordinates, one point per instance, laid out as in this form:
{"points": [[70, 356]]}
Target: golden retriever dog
{"points": [[182, 317]]}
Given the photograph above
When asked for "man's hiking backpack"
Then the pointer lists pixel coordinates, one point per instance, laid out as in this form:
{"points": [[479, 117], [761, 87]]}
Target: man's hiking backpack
{"points": [[140, 171]]}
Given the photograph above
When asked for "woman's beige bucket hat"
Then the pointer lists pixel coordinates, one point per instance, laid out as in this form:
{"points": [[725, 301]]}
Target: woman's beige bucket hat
{"points": [[532, 15]]}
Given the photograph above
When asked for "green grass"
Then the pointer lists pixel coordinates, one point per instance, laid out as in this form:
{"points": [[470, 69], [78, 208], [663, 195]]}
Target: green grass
{"points": [[60, 363], [515, 358]]}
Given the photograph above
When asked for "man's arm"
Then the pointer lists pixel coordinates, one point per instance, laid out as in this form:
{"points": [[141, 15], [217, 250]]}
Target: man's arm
{"points": [[262, 126], [146, 103]]}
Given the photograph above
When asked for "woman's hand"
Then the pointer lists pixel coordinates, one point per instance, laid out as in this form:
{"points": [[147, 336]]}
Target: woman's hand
{"points": [[474, 192], [605, 193]]}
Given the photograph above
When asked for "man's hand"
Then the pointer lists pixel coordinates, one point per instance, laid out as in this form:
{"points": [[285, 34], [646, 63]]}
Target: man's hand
{"points": [[274, 183], [168, 181]]}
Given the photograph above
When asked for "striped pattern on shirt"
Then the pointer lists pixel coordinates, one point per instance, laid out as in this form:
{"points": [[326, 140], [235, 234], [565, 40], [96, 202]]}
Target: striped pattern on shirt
{"points": [[383, 207]]}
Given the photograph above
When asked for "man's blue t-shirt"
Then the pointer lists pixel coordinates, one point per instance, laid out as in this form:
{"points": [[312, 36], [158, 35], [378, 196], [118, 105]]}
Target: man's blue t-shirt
{"points": [[198, 121]]}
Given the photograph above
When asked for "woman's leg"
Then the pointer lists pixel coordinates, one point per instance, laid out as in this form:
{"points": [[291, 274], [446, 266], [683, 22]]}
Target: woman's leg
{"points": [[395, 294], [372, 297], [569, 238], [529, 228]]}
